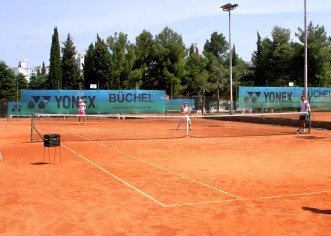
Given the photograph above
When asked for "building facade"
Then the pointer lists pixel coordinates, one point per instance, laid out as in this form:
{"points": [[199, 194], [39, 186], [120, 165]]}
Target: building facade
{"points": [[29, 72]]}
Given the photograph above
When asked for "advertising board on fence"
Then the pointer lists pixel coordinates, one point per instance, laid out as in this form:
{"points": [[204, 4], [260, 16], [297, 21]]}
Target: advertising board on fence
{"points": [[282, 97], [97, 101]]}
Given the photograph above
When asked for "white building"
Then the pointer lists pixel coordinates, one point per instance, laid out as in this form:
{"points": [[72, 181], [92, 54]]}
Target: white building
{"points": [[22, 69], [79, 59], [28, 72], [195, 47]]}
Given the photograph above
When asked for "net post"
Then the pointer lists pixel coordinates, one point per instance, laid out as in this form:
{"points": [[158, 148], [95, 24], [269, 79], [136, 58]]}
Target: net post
{"points": [[187, 126], [31, 128], [309, 121]]}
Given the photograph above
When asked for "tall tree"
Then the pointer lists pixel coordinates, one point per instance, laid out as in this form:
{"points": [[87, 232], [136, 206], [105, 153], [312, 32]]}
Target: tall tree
{"points": [[319, 48], [196, 78], [261, 61], [146, 60], [171, 54], [217, 46], [103, 62], [282, 57], [54, 78], [7, 83], [43, 69], [89, 70], [38, 82], [123, 59], [216, 51], [22, 82], [70, 71]]}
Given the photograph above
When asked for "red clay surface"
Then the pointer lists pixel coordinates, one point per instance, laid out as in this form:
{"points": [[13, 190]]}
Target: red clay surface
{"points": [[256, 185]]}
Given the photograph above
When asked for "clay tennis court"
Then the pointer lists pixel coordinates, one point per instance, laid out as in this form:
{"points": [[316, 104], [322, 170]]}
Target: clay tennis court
{"points": [[236, 185]]}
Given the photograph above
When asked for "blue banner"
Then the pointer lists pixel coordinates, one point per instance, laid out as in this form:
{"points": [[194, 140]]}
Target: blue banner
{"points": [[282, 97], [14, 108], [97, 101]]}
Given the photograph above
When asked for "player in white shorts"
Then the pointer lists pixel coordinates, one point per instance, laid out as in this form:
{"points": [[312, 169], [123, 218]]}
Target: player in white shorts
{"points": [[81, 111], [184, 111]]}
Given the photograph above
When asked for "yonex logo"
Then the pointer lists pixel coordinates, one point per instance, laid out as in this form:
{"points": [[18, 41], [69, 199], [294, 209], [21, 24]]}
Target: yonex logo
{"points": [[252, 96], [40, 101], [16, 108], [270, 97], [60, 101]]}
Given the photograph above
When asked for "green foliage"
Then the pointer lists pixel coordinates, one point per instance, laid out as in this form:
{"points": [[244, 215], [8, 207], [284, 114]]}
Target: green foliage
{"points": [[216, 51], [196, 76], [54, 79], [22, 83], [170, 65], [7, 83], [103, 65], [70, 71], [217, 46], [280, 61], [98, 66], [146, 59], [122, 58], [162, 62], [89, 70], [38, 82]]}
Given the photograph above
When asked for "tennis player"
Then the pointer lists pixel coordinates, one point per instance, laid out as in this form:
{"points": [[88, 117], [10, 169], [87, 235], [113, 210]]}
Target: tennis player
{"points": [[184, 111], [304, 113], [81, 111]]}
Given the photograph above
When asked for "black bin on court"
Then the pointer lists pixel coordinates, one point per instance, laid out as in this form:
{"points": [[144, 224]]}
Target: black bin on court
{"points": [[51, 140]]}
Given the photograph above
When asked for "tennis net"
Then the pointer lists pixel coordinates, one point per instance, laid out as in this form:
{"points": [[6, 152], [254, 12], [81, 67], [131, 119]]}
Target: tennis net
{"points": [[130, 127]]}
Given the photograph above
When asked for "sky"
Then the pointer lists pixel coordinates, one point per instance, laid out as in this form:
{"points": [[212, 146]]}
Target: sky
{"points": [[27, 27]]}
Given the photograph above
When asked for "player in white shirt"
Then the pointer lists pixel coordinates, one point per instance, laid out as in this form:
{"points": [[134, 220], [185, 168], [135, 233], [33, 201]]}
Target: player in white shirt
{"points": [[81, 111], [185, 111], [304, 109]]}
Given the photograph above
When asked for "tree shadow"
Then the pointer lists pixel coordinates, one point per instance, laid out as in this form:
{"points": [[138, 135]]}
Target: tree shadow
{"points": [[315, 210]]}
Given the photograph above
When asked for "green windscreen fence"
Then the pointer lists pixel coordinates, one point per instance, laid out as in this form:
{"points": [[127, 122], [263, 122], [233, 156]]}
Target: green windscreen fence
{"points": [[97, 102], [283, 97]]}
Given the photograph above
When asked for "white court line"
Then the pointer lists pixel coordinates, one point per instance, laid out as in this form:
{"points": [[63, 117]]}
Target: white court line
{"points": [[114, 176], [237, 198], [161, 168], [247, 199]]}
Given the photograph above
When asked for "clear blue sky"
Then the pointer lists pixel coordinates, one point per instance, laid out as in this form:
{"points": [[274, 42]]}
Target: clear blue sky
{"points": [[27, 26]]}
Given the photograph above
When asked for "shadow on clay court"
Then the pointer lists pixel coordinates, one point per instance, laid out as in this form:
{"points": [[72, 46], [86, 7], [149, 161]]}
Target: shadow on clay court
{"points": [[315, 210], [312, 137], [39, 163]]}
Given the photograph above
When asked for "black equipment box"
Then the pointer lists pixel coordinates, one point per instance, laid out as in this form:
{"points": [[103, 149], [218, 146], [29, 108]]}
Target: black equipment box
{"points": [[51, 140]]}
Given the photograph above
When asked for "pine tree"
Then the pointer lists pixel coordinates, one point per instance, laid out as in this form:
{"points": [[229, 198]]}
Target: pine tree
{"points": [[70, 71], [89, 71], [54, 79], [102, 62], [7, 83]]}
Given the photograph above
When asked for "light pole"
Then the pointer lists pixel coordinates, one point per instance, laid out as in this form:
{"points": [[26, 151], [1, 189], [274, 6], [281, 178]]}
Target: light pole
{"points": [[229, 7], [306, 55]]}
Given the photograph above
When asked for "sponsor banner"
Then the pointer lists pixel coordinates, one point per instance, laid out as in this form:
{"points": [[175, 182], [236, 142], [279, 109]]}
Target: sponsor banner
{"points": [[282, 97], [97, 101], [14, 108]]}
